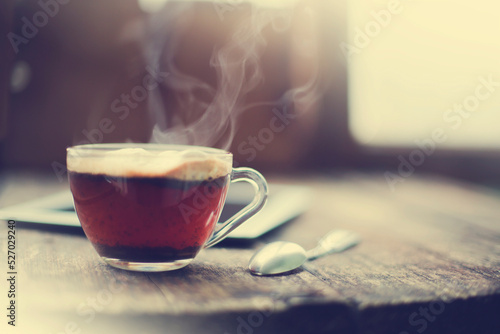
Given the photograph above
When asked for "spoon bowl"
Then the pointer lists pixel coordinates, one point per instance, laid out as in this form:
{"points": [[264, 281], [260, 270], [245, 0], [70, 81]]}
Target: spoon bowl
{"points": [[281, 256], [276, 258]]}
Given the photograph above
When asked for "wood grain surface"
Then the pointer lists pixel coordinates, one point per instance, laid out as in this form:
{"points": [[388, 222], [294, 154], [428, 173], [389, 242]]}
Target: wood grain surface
{"points": [[429, 262]]}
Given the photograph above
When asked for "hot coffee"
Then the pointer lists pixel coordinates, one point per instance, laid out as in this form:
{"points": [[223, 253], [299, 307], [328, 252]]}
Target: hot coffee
{"points": [[160, 213], [153, 207]]}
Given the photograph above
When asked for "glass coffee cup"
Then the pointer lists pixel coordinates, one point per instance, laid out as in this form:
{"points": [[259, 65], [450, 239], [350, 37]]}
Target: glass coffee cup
{"points": [[153, 207]]}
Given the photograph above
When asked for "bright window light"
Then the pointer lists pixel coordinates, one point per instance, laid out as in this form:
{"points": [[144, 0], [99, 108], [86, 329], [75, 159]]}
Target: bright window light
{"points": [[421, 67]]}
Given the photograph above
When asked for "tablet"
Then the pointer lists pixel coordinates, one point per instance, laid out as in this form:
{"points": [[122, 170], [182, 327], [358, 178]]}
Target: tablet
{"points": [[285, 202]]}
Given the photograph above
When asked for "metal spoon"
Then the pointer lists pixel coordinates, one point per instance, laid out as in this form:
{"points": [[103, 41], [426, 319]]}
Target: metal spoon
{"points": [[282, 256]]}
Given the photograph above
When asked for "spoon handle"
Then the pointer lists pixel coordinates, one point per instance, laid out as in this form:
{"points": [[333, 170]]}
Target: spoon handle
{"points": [[334, 242]]}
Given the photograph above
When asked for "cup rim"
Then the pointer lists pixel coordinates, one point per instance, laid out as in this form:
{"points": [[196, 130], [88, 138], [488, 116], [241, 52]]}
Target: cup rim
{"points": [[100, 148]]}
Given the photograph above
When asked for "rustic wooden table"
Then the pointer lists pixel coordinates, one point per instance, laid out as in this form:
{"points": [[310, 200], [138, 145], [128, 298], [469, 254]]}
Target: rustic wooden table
{"points": [[429, 262]]}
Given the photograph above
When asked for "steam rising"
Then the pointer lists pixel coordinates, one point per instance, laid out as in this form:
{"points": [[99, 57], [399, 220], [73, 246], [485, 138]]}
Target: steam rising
{"points": [[213, 111]]}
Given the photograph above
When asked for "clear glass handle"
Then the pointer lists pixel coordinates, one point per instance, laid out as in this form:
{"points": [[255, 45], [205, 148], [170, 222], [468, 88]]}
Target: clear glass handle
{"points": [[260, 186]]}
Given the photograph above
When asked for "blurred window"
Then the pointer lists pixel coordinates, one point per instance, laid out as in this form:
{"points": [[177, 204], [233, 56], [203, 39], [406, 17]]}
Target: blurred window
{"points": [[419, 68]]}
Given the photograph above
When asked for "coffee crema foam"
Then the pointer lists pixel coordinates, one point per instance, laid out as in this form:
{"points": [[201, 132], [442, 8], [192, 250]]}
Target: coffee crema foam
{"points": [[188, 165]]}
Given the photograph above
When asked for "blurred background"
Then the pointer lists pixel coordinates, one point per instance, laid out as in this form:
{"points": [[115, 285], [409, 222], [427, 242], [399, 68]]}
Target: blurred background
{"points": [[393, 87]]}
